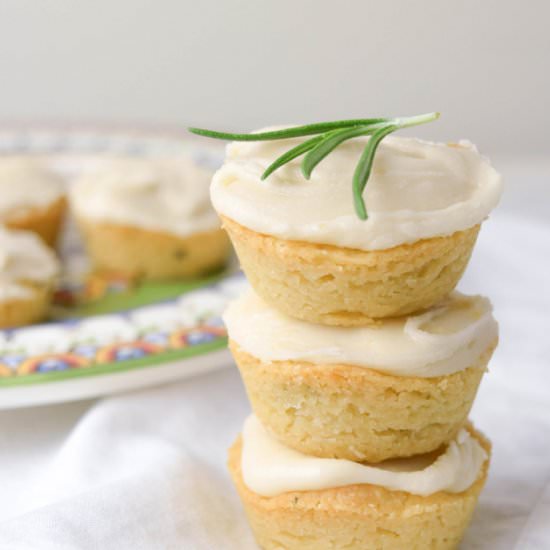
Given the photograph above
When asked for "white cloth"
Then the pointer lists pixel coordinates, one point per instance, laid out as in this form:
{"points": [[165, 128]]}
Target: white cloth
{"points": [[147, 470], [139, 471]]}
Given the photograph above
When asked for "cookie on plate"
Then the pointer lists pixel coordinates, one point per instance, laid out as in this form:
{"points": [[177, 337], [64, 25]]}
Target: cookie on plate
{"points": [[28, 270], [150, 218], [32, 197]]}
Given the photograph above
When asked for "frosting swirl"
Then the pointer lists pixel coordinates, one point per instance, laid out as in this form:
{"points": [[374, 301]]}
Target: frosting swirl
{"points": [[164, 194], [444, 340], [269, 468], [26, 183], [417, 189]]}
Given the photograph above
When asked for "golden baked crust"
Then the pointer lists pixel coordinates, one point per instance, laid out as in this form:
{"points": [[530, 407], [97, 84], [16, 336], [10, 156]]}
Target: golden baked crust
{"points": [[25, 311], [154, 255], [357, 517], [347, 287], [45, 222], [346, 411]]}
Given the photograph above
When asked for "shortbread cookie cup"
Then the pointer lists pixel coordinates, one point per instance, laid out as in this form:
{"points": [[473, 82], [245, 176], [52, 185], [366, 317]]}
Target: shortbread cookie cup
{"points": [[153, 255], [357, 517], [347, 287], [18, 312], [346, 411], [45, 222]]}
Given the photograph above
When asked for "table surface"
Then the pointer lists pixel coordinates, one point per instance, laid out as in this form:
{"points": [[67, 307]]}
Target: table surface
{"points": [[147, 469]]}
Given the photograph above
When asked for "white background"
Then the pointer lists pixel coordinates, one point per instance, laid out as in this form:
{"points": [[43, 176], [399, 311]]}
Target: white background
{"points": [[241, 64]]}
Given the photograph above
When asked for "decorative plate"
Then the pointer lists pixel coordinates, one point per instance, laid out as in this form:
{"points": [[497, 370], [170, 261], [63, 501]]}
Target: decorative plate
{"points": [[106, 333]]}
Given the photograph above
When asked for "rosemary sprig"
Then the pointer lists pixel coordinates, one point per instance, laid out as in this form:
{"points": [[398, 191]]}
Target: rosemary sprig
{"points": [[328, 136]]}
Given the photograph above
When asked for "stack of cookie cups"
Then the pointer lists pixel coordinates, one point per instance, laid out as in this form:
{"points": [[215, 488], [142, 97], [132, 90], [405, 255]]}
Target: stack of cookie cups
{"points": [[361, 367]]}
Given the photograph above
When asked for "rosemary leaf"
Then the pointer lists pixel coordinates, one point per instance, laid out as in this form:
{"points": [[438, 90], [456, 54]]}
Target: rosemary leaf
{"points": [[330, 141], [294, 131], [364, 168], [291, 155]]}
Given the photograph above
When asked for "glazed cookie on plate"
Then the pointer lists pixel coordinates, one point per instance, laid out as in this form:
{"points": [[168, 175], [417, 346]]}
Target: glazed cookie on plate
{"points": [[399, 388], [150, 218], [28, 269], [298, 502], [306, 252], [31, 197]]}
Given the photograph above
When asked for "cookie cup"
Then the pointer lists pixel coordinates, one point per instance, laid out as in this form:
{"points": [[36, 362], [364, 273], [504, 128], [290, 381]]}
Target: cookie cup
{"points": [[153, 255], [357, 413], [347, 287], [357, 517], [45, 222], [21, 311]]}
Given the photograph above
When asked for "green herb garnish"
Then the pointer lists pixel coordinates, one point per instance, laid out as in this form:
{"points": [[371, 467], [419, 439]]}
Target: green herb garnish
{"points": [[328, 135]]}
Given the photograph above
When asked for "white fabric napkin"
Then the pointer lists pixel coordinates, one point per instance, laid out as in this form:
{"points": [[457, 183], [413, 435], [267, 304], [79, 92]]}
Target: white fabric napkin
{"points": [[140, 471], [147, 470]]}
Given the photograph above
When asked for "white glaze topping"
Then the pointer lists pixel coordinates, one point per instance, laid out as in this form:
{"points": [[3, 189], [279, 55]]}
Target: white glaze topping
{"points": [[444, 340], [23, 257], [26, 183], [164, 194], [417, 190], [269, 468]]}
